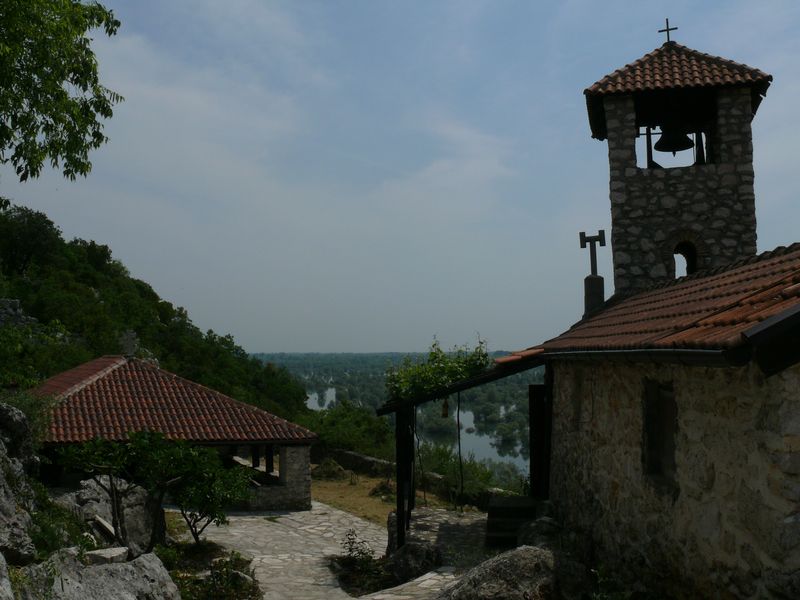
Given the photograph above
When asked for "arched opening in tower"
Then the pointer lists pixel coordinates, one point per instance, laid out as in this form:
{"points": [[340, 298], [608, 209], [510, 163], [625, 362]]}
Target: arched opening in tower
{"points": [[685, 255]]}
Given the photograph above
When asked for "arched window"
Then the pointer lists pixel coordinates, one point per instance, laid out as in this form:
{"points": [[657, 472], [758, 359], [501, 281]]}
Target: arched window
{"points": [[685, 255]]}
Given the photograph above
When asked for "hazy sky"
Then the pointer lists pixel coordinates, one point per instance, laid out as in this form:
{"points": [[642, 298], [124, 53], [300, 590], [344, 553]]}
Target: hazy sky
{"points": [[362, 176]]}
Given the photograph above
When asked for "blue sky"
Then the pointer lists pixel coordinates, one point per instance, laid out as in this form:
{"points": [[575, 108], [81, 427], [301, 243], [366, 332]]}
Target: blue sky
{"points": [[362, 176]]}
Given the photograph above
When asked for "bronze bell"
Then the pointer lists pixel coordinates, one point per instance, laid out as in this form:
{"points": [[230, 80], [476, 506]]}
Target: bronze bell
{"points": [[672, 140], [445, 411]]}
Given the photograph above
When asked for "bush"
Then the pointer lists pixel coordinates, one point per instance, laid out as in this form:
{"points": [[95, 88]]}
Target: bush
{"points": [[231, 578], [348, 426], [357, 570], [54, 527]]}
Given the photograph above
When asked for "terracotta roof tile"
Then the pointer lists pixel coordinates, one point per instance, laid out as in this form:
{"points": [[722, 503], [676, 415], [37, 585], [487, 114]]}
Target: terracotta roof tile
{"points": [[676, 66], [704, 311], [112, 396]]}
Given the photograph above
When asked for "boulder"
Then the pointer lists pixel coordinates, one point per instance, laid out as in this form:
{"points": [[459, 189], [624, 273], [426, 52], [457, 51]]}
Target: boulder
{"points": [[15, 543], [65, 577], [6, 593], [414, 559], [543, 532], [527, 572], [106, 556], [15, 434], [93, 502]]}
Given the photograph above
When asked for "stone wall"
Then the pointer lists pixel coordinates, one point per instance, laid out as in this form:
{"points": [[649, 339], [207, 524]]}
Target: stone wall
{"points": [[711, 206], [731, 528], [293, 492]]}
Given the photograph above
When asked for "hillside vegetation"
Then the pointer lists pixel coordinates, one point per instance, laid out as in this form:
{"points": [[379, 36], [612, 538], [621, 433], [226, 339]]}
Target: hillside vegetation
{"points": [[86, 302]]}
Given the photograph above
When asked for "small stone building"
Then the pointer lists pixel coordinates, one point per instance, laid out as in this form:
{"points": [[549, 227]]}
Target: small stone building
{"points": [[113, 396]]}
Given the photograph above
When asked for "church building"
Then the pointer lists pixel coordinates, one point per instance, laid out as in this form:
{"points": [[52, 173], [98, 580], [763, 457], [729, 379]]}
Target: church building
{"points": [[668, 426]]}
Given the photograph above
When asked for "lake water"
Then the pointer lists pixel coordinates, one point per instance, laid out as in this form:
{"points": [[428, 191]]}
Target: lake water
{"points": [[479, 445]]}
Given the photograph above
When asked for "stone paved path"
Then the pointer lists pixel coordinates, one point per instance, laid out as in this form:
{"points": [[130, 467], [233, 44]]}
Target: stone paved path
{"points": [[289, 550]]}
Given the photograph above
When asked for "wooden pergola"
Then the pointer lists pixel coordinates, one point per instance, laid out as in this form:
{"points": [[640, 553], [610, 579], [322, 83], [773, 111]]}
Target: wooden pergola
{"points": [[539, 419]]}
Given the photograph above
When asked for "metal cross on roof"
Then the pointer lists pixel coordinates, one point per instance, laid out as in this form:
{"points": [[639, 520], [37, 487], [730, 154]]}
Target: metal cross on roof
{"points": [[668, 29], [592, 241]]}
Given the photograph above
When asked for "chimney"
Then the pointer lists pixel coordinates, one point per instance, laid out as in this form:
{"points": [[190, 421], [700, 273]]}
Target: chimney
{"points": [[593, 285], [593, 294]]}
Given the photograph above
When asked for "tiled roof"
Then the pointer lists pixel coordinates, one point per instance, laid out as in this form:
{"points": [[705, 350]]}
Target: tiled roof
{"points": [[672, 66], [676, 66], [704, 311], [113, 396]]}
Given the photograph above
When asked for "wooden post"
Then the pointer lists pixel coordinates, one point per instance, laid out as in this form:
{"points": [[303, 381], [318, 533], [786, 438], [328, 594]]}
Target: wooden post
{"points": [[404, 456], [541, 418], [255, 456], [269, 458]]}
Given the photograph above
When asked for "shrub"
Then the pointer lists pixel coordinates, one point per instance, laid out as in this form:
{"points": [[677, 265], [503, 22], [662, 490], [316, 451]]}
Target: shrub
{"points": [[231, 578], [54, 527], [358, 571]]}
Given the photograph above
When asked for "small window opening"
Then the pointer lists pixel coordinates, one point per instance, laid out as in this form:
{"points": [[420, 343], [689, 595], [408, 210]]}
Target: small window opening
{"points": [[689, 149], [685, 255], [659, 426]]}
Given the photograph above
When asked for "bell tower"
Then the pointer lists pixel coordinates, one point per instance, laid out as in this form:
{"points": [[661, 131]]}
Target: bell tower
{"points": [[674, 101]]}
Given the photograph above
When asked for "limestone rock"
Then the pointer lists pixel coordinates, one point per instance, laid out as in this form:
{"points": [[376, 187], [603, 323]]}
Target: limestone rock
{"points": [[65, 577], [414, 559], [15, 433], [93, 501], [6, 592], [15, 543], [106, 556], [524, 573]]}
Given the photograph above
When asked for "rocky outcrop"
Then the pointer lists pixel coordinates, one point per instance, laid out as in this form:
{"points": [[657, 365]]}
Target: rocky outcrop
{"points": [[15, 433], [65, 577], [524, 573], [12, 314], [414, 559], [15, 543], [6, 593], [92, 501]]}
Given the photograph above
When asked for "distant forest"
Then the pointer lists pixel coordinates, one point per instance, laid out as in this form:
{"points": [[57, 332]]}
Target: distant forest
{"points": [[500, 408]]}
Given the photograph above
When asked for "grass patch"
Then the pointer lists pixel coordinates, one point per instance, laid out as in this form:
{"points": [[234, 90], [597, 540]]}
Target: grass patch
{"points": [[176, 526], [356, 497]]}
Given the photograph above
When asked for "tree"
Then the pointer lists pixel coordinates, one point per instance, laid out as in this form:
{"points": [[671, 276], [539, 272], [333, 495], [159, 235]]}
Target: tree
{"points": [[193, 476], [51, 98], [106, 462], [208, 489]]}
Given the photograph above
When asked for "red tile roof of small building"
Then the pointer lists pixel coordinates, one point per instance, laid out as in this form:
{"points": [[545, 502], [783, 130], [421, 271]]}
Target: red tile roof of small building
{"points": [[113, 396], [674, 66], [708, 311]]}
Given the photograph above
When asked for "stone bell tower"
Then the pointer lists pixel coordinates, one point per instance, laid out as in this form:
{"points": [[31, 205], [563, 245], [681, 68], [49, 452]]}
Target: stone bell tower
{"points": [[681, 102]]}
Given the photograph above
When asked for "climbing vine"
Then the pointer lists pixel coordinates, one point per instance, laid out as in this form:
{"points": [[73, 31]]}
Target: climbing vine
{"points": [[441, 368]]}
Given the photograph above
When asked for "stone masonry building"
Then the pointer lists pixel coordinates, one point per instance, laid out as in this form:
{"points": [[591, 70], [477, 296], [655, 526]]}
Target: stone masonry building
{"points": [[667, 429], [113, 396]]}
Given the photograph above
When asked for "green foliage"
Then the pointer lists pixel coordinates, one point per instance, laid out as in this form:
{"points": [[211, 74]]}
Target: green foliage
{"points": [[54, 527], [51, 99], [37, 410], [109, 465], [85, 301], [206, 489], [441, 459], [358, 571], [230, 578], [500, 408], [194, 476], [350, 427], [428, 378]]}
